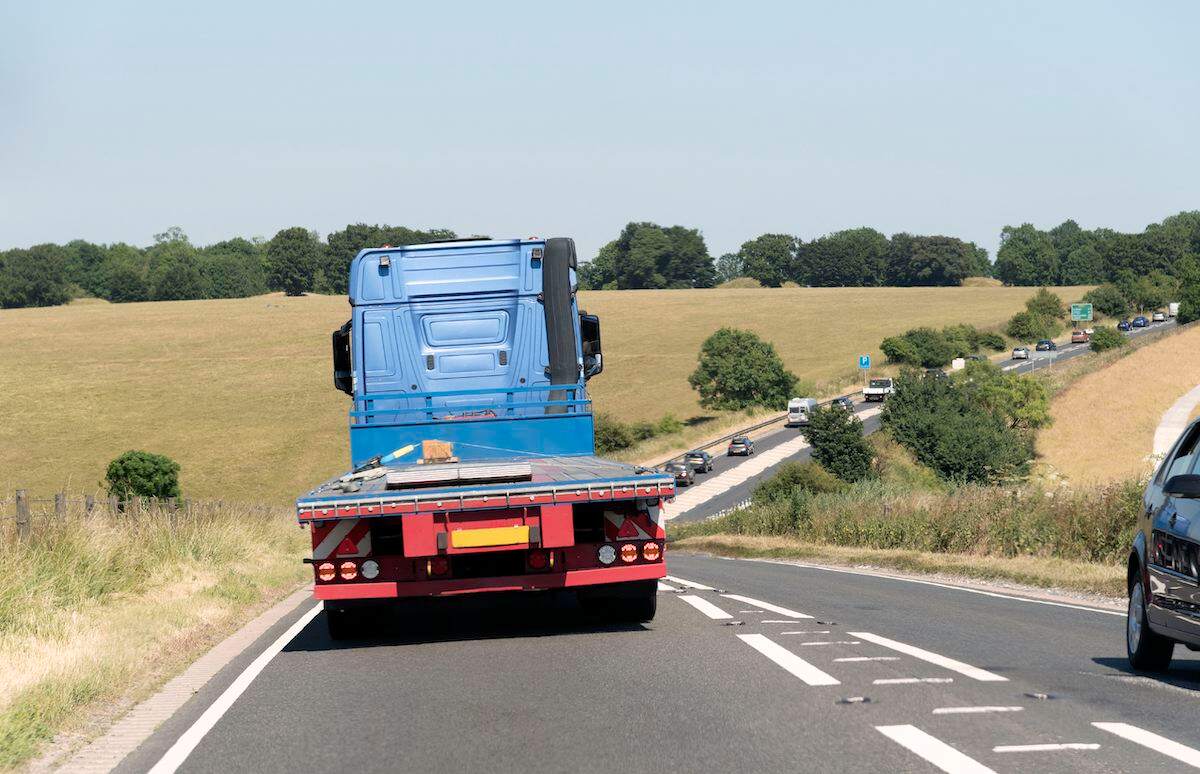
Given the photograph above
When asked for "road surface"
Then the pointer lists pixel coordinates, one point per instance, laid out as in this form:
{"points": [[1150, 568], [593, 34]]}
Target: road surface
{"points": [[749, 666]]}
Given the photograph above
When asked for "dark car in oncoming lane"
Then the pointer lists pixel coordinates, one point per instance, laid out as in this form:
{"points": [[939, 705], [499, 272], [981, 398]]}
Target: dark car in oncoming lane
{"points": [[740, 446], [683, 473], [701, 461], [1163, 570]]}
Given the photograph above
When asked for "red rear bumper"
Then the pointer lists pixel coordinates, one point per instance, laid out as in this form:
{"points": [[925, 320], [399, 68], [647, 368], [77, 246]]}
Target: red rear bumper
{"points": [[532, 582]]}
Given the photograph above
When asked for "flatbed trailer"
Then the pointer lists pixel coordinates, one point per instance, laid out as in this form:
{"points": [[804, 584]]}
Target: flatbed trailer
{"points": [[473, 466]]}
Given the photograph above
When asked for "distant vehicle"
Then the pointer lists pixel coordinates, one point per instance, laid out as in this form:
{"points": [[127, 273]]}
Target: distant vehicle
{"points": [[1089, 331], [879, 389], [1046, 345], [799, 410], [1079, 336], [977, 358], [1124, 325], [935, 373], [1158, 317], [701, 461], [740, 446], [1173, 309], [1163, 561], [1140, 322], [683, 473], [1020, 353], [843, 402]]}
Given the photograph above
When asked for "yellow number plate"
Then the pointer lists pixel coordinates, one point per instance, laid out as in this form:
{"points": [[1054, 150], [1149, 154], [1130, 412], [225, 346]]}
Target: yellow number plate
{"points": [[492, 536]]}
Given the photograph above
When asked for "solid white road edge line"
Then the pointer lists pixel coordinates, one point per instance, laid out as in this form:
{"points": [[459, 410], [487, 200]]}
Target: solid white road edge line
{"points": [[706, 607], [1007, 748], [688, 583], [973, 710], [766, 606], [933, 658], [933, 750], [939, 584], [788, 660], [187, 742], [1161, 744]]}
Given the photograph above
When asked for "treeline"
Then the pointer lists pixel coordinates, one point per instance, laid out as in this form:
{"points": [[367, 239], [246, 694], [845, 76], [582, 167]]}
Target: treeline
{"points": [[295, 261], [647, 255]]}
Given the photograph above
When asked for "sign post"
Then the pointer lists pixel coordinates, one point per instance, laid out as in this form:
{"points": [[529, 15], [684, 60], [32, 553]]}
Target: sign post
{"points": [[864, 365]]}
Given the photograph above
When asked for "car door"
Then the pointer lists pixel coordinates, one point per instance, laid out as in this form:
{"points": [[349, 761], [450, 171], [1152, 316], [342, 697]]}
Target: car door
{"points": [[1174, 546]]}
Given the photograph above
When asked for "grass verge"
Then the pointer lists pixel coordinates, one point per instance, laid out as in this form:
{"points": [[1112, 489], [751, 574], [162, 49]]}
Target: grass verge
{"points": [[97, 611], [1043, 572]]}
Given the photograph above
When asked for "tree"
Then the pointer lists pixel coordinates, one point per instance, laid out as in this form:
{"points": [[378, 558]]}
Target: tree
{"points": [[932, 260], [343, 245], [769, 258], [1022, 401], [142, 474], [293, 255], [728, 267], [1026, 257], [838, 444], [1046, 304], [738, 370], [647, 255], [689, 265], [1106, 338], [34, 277], [1189, 293], [1082, 266], [925, 347], [855, 257], [1108, 300], [1028, 326], [1147, 291], [178, 278], [638, 265], [600, 273]]}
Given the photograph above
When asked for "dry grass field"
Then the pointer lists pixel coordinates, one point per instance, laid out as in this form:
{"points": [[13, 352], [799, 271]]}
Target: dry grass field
{"points": [[1104, 422], [240, 393]]}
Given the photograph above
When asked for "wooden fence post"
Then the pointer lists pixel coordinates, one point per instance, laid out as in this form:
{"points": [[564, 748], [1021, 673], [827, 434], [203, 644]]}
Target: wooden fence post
{"points": [[22, 515], [89, 504], [60, 505], [114, 505]]}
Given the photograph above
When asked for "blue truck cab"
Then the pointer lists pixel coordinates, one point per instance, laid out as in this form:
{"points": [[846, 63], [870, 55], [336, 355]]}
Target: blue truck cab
{"points": [[472, 459]]}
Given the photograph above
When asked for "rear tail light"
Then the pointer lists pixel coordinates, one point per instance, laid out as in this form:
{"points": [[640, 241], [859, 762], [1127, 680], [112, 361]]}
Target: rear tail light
{"points": [[326, 571], [370, 569], [538, 560], [606, 554], [348, 570], [439, 565], [629, 553], [651, 552]]}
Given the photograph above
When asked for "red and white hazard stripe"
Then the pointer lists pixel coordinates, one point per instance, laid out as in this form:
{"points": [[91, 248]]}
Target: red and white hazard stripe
{"points": [[348, 537]]}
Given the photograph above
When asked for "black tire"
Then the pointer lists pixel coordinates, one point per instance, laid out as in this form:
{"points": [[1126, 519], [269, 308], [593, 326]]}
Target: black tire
{"points": [[1148, 651], [560, 325], [633, 602]]}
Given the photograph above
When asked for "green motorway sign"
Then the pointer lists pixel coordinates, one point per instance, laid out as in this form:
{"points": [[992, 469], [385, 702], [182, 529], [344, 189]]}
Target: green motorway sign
{"points": [[1081, 312]]}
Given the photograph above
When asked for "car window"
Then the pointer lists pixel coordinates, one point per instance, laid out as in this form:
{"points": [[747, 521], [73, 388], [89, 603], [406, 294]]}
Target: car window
{"points": [[1184, 457]]}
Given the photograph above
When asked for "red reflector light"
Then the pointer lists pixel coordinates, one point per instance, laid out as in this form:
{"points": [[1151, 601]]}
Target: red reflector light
{"points": [[651, 552], [348, 570], [439, 565], [326, 571], [537, 560], [629, 553]]}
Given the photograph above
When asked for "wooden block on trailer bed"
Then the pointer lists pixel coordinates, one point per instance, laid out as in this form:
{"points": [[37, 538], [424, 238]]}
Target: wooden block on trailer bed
{"points": [[437, 451]]}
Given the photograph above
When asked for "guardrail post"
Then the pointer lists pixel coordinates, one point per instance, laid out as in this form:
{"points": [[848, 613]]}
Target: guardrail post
{"points": [[60, 505], [22, 516]]}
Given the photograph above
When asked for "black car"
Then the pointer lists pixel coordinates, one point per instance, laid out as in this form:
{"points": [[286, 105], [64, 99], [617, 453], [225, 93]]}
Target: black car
{"points": [[843, 402], [1164, 563], [1124, 325], [1140, 322], [741, 446], [701, 461], [1046, 345], [683, 473]]}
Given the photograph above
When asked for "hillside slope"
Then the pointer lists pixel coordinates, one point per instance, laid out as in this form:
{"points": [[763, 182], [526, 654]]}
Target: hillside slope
{"points": [[240, 393]]}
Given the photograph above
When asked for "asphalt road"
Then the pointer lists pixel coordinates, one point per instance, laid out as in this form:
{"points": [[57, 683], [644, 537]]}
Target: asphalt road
{"points": [[530, 684]]}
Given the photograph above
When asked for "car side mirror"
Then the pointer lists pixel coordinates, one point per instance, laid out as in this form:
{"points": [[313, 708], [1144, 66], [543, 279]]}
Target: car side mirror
{"points": [[1185, 485], [589, 335]]}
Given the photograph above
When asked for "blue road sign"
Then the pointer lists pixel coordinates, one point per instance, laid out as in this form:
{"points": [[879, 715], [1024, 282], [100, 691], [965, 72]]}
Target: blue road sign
{"points": [[864, 361]]}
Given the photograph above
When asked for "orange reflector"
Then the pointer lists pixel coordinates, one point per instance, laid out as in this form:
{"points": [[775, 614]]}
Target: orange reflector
{"points": [[326, 571], [348, 570], [651, 552], [629, 553]]}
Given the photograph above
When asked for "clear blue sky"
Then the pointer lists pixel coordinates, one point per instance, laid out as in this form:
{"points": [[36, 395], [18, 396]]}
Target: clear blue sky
{"points": [[515, 119]]}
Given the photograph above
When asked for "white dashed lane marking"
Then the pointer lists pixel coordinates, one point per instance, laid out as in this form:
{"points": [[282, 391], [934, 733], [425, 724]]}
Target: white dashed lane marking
{"points": [[787, 660], [706, 607], [933, 658], [1011, 748], [933, 750], [973, 710], [688, 583], [911, 680], [1159, 744], [666, 587], [766, 606]]}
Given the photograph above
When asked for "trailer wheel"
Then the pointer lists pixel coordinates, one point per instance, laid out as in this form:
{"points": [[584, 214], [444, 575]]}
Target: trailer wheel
{"points": [[348, 623], [634, 602]]}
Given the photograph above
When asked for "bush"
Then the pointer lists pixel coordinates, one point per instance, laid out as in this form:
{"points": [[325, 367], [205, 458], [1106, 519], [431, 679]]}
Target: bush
{"points": [[808, 477], [1108, 300], [838, 444], [738, 370], [142, 474], [923, 347], [992, 340], [1107, 338], [1046, 304], [34, 277], [1189, 302], [1030, 326], [611, 434]]}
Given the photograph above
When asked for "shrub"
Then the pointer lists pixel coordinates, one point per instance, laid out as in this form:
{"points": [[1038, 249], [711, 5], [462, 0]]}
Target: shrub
{"points": [[1107, 338], [1030, 326], [1108, 300], [809, 477], [611, 434], [738, 370], [838, 444], [668, 425], [1046, 304], [991, 340], [142, 474]]}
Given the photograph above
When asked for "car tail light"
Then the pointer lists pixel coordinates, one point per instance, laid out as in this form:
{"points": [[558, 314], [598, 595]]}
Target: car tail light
{"points": [[438, 565], [629, 553], [348, 570], [651, 552], [606, 554], [326, 571]]}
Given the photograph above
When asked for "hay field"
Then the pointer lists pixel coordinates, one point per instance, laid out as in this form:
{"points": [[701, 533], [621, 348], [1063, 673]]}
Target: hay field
{"points": [[240, 393], [1104, 422]]}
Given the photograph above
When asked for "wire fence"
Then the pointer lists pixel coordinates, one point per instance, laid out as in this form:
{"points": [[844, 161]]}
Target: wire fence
{"points": [[24, 516]]}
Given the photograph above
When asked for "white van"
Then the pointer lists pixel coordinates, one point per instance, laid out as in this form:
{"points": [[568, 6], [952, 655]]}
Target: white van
{"points": [[799, 410]]}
